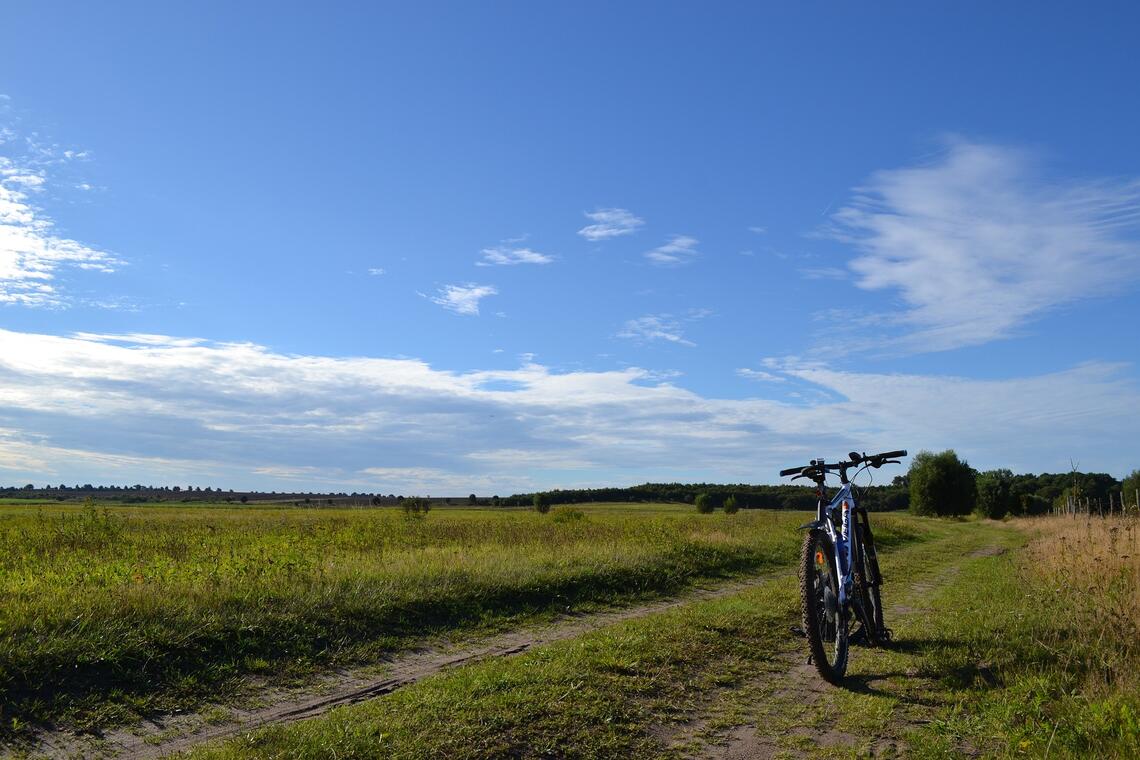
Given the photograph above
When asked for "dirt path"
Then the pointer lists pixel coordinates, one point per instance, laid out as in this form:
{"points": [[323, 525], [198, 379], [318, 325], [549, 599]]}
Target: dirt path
{"points": [[792, 695], [177, 733]]}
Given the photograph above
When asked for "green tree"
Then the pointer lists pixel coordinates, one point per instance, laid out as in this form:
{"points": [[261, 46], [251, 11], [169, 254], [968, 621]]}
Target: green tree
{"points": [[730, 506], [472, 500], [1129, 488], [541, 503], [704, 503], [941, 484], [995, 499]]}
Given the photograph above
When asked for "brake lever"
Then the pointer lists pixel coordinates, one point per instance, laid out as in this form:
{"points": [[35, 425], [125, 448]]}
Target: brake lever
{"points": [[797, 477]]}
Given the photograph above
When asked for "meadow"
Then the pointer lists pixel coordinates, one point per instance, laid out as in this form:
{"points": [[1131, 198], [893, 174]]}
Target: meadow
{"points": [[108, 614], [1012, 640]]}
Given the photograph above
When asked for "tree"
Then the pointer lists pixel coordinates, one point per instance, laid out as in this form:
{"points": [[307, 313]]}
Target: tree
{"points": [[1129, 488], [941, 484], [495, 500], [730, 507], [995, 496], [541, 503], [704, 503], [244, 498], [472, 501]]}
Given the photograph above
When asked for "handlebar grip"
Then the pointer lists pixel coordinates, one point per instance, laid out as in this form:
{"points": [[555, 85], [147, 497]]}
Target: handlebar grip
{"points": [[790, 471], [892, 454]]}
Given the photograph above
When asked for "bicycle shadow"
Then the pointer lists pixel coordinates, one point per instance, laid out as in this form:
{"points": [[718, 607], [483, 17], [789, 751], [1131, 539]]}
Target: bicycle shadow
{"points": [[957, 671]]}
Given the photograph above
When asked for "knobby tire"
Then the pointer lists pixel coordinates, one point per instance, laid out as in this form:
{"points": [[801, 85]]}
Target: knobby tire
{"points": [[829, 657]]}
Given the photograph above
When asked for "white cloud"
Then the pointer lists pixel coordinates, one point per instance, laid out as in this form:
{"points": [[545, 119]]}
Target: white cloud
{"points": [[978, 243], [506, 256], [610, 222], [32, 255], [654, 327], [681, 249], [759, 375], [463, 299], [107, 408], [377, 271]]}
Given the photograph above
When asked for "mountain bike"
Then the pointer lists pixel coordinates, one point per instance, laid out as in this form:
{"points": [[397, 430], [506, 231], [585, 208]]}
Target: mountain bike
{"points": [[839, 569]]}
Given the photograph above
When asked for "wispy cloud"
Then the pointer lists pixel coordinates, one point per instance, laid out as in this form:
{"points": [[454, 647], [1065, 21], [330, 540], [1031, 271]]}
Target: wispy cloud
{"points": [[759, 375], [978, 243], [463, 299], [377, 271], [609, 223], [654, 327], [681, 249], [507, 256], [32, 255]]}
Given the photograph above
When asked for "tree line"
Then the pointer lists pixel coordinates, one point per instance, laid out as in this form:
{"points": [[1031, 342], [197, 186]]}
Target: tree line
{"points": [[939, 484], [716, 496], [944, 484]]}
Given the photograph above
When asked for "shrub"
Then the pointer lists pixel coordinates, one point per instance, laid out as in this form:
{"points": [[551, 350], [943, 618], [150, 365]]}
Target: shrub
{"points": [[995, 499], [415, 507], [541, 503], [704, 503], [730, 505], [941, 484]]}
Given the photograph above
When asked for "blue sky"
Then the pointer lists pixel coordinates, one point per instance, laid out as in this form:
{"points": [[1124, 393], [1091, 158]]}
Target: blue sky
{"points": [[452, 247]]}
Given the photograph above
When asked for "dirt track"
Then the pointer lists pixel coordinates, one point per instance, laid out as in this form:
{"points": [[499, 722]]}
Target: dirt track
{"points": [[176, 733]]}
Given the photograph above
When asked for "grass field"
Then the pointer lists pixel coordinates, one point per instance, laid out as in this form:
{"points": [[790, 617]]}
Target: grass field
{"points": [[108, 614], [997, 656], [1014, 639]]}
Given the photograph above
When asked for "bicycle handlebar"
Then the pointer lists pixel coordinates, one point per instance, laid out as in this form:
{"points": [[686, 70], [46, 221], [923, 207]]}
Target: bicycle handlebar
{"points": [[819, 468]]}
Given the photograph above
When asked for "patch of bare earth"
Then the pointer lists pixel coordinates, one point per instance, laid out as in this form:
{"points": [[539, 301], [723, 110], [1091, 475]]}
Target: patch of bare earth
{"points": [[175, 733]]}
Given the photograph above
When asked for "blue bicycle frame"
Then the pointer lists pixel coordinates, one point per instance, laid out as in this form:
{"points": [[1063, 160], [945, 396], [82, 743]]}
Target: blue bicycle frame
{"points": [[842, 502]]}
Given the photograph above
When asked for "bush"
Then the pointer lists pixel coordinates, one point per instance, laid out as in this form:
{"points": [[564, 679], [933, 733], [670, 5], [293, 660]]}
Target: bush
{"points": [[541, 503], [730, 505], [415, 507], [942, 485], [995, 498], [704, 503]]}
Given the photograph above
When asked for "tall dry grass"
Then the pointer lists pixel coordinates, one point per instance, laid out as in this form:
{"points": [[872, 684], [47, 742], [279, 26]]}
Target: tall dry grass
{"points": [[1090, 571]]}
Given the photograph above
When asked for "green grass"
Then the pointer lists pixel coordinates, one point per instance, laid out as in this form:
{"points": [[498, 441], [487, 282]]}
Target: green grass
{"points": [[1005, 657], [108, 614], [611, 693]]}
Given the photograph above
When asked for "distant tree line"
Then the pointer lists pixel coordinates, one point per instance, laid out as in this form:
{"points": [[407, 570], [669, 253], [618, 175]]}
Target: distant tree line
{"points": [[943, 484], [716, 496], [936, 484]]}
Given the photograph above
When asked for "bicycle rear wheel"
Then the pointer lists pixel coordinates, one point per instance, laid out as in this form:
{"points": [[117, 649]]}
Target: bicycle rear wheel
{"points": [[867, 580], [825, 624]]}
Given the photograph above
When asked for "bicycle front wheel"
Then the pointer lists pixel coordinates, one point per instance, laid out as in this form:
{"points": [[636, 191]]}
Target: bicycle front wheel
{"points": [[825, 623]]}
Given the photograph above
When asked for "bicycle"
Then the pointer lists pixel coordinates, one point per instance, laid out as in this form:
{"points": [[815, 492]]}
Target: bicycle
{"points": [[839, 569]]}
